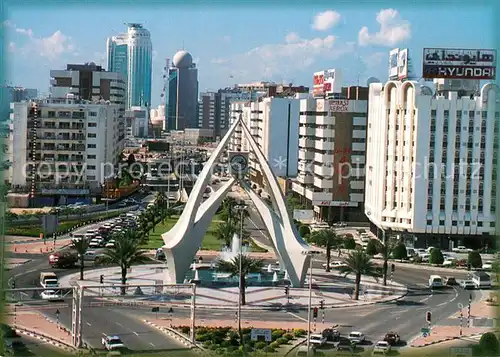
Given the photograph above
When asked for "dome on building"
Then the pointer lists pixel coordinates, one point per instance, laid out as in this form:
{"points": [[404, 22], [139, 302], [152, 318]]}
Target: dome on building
{"points": [[183, 59]]}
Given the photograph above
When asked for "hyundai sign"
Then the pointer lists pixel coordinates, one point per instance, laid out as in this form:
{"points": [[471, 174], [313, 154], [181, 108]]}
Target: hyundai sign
{"points": [[459, 63]]}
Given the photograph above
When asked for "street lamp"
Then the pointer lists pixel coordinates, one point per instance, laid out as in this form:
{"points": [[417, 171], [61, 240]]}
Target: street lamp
{"points": [[310, 253], [241, 208]]}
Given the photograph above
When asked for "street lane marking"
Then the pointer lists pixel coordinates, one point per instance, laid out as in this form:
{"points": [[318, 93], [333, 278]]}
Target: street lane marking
{"points": [[152, 344], [135, 333], [443, 303], [88, 323], [119, 324], [297, 316], [425, 299]]}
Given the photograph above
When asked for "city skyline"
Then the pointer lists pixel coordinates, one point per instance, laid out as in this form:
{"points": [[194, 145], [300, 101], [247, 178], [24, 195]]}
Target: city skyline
{"points": [[226, 52]]}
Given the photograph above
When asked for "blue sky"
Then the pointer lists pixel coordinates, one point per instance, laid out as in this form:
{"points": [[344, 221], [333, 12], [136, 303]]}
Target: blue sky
{"points": [[248, 43]]}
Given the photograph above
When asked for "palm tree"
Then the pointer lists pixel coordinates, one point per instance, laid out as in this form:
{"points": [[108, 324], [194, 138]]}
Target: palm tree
{"points": [[125, 253], [385, 250], [329, 240], [227, 210], [248, 266], [161, 200], [359, 263], [225, 231], [81, 246]]}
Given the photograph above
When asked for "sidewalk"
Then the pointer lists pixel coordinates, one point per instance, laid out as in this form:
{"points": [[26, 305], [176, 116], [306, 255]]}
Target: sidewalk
{"points": [[39, 247], [479, 310], [445, 333]]}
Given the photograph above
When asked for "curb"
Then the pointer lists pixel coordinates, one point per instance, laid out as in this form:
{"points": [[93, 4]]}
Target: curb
{"points": [[47, 339], [172, 333], [448, 339]]}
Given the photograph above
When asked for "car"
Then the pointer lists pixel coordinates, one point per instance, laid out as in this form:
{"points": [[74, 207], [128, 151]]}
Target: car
{"points": [[356, 337], [487, 265], [317, 339], [450, 281], [95, 243], [392, 338], [331, 334], [112, 343], [110, 244], [461, 249], [449, 262], [468, 284], [51, 295], [382, 346], [335, 264]]}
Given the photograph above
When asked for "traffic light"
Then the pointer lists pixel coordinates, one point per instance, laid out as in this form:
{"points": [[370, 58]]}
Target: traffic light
{"points": [[101, 279], [468, 266], [428, 316], [322, 304], [287, 290], [315, 312], [13, 284], [393, 267]]}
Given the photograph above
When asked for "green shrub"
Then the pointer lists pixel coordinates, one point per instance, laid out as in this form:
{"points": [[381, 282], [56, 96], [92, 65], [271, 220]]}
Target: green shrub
{"points": [[288, 336], [282, 341], [275, 334], [304, 231], [349, 243], [474, 259], [231, 349], [299, 332], [400, 252], [371, 247], [203, 337], [489, 344], [207, 344], [220, 351], [185, 329], [269, 349], [436, 256], [274, 344], [260, 345], [214, 347]]}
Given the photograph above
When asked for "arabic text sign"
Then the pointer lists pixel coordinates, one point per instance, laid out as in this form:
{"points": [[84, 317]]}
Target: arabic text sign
{"points": [[459, 63], [339, 105]]}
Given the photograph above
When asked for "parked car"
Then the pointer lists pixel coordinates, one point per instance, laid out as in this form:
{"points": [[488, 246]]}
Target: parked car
{"points": [[382, 346], [392, 338], [331, 334], [461, 249], [335, 264], [51, 295], [450, 281], [487, 265], [356, 337], [468, 284]]}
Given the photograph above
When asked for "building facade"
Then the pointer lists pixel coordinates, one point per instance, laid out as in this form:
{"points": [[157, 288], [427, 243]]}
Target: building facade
{"points": [[432, 162], [133, 52], [10, 94], [137, 122], [274, 124], [62, 150], [332, 153], [182, 99]]}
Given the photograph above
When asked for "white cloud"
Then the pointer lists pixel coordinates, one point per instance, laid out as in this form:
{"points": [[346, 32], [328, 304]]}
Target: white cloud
{"points": [[12, 47], [393, 30], [281, 60], [51, 47], [325, 20], [375, 59]]}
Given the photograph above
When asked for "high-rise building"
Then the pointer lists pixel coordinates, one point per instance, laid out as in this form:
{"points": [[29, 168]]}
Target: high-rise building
{"points": [[61, 150], [332, 149], [274, 124], [182, 100], [432, 158], [133, 53], [10, 94], [137, 122]]}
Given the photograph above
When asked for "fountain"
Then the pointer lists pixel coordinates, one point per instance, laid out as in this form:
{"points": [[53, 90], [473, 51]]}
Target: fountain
{"points": [[196, 276], [275, 277], [229, 253], [269, 268], [286, 275]]}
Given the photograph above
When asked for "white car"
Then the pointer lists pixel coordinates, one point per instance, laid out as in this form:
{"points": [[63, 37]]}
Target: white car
{"points": [[335, 264], [110, 244], [317, 339], [356, 337], [461, 249], [112, 343], [468, 284], [95, 243], [488, 265], [382, 347], [51, 295]]}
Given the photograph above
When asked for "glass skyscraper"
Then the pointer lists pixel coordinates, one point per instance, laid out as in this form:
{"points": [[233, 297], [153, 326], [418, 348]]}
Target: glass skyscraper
{"points": [[131, 55]]}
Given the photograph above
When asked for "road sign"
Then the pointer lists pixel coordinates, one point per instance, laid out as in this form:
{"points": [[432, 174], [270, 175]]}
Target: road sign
{"points": [[460, 351], [425, 331], [258, 334]]}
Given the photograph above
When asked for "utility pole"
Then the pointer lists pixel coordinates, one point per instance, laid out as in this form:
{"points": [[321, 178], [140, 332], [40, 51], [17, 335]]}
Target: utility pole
{"points": [[240, 208], [193, 315]]}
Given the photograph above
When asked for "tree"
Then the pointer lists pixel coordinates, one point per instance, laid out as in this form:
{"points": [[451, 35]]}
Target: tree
{"points": [[130, 159], [304, 231], [161, 200], [371, 247], [400, 252], [489, 344], [436, 256], [248, 266], [385, 250], [125, 253], [359, 263], [349, 243], [474, 259], [81, 246], [225, 231], [227, 210], [329, 240]]}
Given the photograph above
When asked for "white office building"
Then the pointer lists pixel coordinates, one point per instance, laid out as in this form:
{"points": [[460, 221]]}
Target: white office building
{"points": [[332, 149], [274, 123], [432, 161], [137, 122], [62, 147]]}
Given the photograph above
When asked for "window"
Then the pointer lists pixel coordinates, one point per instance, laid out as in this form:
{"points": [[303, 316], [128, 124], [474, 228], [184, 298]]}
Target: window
{"points": [[92, 114], [91, 146], [91, 157], [91, 167], [92, 125], [90, 178], [91, 135], [429, 222]]}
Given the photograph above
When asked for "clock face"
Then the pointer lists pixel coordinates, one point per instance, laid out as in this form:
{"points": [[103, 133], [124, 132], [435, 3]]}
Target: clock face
{"points": [[238, 163]]}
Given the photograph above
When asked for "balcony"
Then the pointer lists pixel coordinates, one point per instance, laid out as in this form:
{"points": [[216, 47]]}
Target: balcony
{"points": [[306, 143], [324, 145], [318, 196], [304, 165], [307, 131], [325, 133], [297, 187], [306, 155], [325, 120], [325, 171], [305, 179], [323, 158], [323, 183]]}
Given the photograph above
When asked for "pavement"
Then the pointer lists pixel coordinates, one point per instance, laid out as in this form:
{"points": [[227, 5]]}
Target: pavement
{"points": [[441, 334], [332, 288]]}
